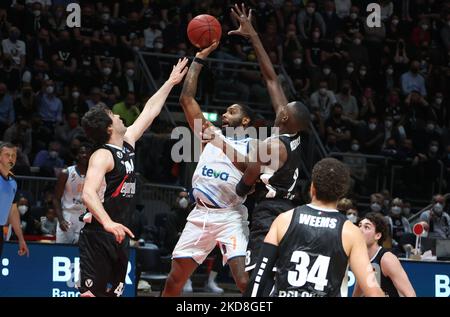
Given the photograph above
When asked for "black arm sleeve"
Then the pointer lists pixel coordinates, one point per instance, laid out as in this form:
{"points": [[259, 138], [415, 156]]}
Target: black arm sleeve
{"points": [[242, 189], [262, 279]]}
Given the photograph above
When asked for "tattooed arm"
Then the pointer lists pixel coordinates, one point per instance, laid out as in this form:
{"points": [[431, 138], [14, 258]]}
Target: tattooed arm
{"points": [[190, 106]]}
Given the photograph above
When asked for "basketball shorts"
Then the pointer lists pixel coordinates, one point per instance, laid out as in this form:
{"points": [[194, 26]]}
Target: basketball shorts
{"points": [[263, 215], [206, 227], [103, 263]]}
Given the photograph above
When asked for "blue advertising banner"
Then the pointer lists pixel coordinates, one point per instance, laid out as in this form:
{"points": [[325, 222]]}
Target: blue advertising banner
{"points": [[49, 271], [429, 278]]}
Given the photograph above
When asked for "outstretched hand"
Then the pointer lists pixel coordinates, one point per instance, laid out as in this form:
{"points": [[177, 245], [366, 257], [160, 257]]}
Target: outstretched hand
{"points": [[178, 71], [204, 53], [246, 28]]}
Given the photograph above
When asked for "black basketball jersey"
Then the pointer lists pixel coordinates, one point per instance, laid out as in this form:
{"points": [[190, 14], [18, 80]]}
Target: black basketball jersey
{"points": [[312, 261], [281, 183], [120, 185], [386, 283]]}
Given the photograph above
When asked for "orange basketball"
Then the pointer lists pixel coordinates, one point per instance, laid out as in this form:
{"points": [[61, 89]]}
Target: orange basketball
{"points": [[203, 30]]}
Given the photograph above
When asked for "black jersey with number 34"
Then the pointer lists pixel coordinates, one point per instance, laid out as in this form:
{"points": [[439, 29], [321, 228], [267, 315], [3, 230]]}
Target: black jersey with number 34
{"points": [[120, 185], [281, 183], [312, 260]]}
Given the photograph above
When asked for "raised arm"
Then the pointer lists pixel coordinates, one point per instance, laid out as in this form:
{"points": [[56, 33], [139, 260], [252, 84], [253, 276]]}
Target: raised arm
{"points": [[155, 103], [100, 163], [246, 30], [190, 106]]}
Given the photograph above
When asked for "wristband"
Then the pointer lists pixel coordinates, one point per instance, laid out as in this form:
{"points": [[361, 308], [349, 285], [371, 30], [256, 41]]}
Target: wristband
{"points": [[200, 61], [242, 189]]}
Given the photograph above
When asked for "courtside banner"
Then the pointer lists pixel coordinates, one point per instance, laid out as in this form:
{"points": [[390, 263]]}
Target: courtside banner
{"points": [[49, 271], [429, 278]]}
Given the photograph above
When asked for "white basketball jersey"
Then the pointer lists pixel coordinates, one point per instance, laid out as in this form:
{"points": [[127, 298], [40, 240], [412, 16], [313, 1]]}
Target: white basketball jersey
{"points": [[215, 177], [71, 198]]}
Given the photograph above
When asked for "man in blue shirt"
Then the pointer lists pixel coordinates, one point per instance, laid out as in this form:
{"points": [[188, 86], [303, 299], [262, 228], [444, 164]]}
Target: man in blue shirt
{"points": [[9, 214]]}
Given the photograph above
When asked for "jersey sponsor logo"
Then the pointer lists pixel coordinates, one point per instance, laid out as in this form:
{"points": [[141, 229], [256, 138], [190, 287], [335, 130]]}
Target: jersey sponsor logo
{"points": [[129, 166], [125, 188], [296, 294], [119, 154], [295, 143], [209, 172], [319, 222]]}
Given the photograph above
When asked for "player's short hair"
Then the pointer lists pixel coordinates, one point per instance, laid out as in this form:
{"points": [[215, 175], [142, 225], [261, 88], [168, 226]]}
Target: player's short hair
{"points": [[380, 224], [96, 122], [302, 116], [248, 112], [331, 179], [8, 145]]}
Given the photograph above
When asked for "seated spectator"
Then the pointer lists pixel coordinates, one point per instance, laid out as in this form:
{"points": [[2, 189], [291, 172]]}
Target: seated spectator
{"points": [[436, 221], [28, 223], [69, 130], [337, 126], [357, 166], [373, 136], [94, 98], [48, 160], [25, 103], [127, 109], [357, 52], [7, 114], [49, 106], [350, 110], [329, 77], [398, 225], [14, 48], [308, 19], [49, 222], [21, 132], [369, 107], [332, 21], [128, 81], [10, 75], [413, 81], [75, 103], [323, 100], [376, 205]]}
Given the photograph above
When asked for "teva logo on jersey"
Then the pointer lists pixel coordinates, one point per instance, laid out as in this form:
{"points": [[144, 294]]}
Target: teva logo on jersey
{"points": [[209, 172], [67, 270]]}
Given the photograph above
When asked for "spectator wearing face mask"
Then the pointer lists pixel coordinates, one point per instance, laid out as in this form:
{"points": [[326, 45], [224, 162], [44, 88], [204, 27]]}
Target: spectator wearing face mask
{"points": [[421, 33], [413, 81], [176, 220], [329, 77], [438, 111], [14, 48], [49, 106], [353, 23], [436, 221], [346, 207], [308, 19], [7, 113], [28, 223], [49, 160], [127, 109], [339, 128], [373, 136], [376, 205], [128, 80], [336, 54], [345, 98], [358, 167], [398, 224], [323, 100]]}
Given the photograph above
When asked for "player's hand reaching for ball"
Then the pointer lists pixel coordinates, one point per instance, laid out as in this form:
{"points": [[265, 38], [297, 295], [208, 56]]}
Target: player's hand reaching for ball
{"points": [[246, 28], [118, 230], [178, 71], [204, 53]]}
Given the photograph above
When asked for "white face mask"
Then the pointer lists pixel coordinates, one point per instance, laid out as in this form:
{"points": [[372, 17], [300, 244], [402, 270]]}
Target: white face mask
{"points": [[396, 210], [350, 70], [425, 27], [53, 154], [395, 22], [310, 10], [322, 91], [363, 72], [438, 101], [107, 71], [22, 209], [357, 41], [326, 71], [75, 94], [438, 208], [130, 72], [49, 89], [376, 207], [430, 127], [372, 126], [105, 16], [434, 148], [183, 202], [352, 218], [37, 13], [297, 61], [390, 71], [388, 124], [355, 147], [338, 40], [353, 16]]}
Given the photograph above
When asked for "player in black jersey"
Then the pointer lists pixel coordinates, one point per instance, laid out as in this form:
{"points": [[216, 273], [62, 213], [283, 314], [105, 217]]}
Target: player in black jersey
{"points": [[313, 244], [276, 178], [389, 272], [103, 241]]}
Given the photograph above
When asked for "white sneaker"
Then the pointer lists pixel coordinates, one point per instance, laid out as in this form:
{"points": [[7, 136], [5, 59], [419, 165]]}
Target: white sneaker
{"points": [[144, 286], [187, 288], [213, 288]]}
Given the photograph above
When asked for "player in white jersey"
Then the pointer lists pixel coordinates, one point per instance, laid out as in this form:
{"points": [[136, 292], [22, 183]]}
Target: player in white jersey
{"points": [[67, 199], [219, 215]]}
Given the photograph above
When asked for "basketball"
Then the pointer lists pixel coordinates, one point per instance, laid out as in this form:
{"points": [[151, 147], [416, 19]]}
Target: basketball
{"points": [[203, 30]]}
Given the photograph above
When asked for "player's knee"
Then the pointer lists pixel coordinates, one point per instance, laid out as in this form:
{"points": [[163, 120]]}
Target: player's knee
{"points": [[176, 279]]}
